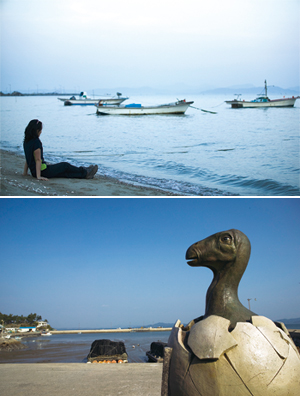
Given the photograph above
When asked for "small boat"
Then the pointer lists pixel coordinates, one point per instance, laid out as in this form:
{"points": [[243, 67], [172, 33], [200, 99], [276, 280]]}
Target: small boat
{"points": [[84, 100], [262, 101], [178, 107], [46, 333]]}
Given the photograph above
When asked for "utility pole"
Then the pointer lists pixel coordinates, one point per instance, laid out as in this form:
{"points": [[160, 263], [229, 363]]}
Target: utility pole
{"points": [[249, 303]]}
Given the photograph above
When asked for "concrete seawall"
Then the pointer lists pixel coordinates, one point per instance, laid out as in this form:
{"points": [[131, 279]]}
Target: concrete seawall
{"points": [[135, 330]]}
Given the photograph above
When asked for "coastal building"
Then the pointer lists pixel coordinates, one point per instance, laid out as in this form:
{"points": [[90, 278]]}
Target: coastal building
{"points": [[27, 329], [11, 329], [42, 323]]}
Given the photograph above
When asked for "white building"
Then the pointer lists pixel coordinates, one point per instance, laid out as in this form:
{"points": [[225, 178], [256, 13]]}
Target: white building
{"points": [[11, 329], [41, 323], [26, 329]]}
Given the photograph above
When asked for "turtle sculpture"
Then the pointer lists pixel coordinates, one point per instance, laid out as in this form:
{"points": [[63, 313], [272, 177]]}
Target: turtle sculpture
{"points": [[230, 350]]}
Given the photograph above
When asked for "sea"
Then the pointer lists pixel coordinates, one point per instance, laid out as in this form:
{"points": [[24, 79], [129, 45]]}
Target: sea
{"points": [[74, 348], [235, 152]]}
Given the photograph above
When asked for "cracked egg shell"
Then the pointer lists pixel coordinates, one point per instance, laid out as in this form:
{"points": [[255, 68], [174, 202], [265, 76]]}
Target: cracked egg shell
{"points": [[257, 359]]}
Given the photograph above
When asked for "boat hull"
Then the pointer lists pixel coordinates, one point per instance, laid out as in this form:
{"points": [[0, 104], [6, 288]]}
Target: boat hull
{"points": [[177, 108], [91, 102], [237, 104]]}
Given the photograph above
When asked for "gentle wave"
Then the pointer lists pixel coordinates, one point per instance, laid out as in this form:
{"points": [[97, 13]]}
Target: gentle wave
{"points": [[265, 187]]}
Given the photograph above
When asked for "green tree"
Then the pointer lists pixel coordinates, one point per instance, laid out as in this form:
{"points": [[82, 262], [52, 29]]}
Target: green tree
{"points": [[20, 319]]}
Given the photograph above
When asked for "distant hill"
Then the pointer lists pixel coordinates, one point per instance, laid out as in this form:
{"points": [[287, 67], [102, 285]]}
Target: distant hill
{"points": [[285, 321], [184, 89], [253, 91], [161, 324], [175, 90], [289, 321]]}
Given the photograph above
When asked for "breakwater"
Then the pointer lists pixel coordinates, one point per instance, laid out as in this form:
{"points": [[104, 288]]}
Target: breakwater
{"points": [[119, 330]]}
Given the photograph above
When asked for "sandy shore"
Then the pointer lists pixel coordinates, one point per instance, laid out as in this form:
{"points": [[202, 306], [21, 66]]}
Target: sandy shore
{"points": [[14, 184], [81, 379]]}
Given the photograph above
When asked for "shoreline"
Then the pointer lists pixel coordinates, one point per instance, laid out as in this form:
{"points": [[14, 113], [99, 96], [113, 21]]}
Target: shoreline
{"points": [[66, 347], [13, 183], [74, 346], [133, 330]]}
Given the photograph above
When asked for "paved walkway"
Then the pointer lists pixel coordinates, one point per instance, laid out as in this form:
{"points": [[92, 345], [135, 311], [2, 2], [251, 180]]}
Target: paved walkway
{"points": [[80, 379]]}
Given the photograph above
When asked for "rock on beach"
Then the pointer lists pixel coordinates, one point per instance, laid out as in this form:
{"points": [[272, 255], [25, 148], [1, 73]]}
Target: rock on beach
{"points": [[10, 345]]}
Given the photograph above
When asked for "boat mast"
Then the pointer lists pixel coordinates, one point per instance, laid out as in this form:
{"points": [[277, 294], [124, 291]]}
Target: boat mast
{"points": [[266, 88]]}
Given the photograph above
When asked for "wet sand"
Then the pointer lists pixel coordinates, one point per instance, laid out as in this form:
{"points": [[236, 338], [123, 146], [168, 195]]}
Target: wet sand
{"points": [[13, 183], [44, 351], [75, 349], [59, 353]]}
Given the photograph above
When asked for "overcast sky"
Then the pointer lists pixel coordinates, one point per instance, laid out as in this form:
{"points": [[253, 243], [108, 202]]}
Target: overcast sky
{"points": [[121, 262], [84, 45]]}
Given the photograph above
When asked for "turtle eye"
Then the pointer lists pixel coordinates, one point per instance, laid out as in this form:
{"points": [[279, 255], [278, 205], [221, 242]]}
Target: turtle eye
{"points": [[226, 239]]}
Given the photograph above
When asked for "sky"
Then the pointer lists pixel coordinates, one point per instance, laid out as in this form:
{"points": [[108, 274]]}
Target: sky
{"points": [[110, 262], [63, 45]]}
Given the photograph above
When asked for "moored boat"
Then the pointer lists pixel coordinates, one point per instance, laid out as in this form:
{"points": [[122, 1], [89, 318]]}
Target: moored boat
{"points": [[178, 107], [46, 333], [84, 100], [262, 101]]}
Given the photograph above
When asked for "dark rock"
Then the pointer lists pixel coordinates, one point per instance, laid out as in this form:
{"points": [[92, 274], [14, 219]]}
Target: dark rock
{"points": [[107, 350]]}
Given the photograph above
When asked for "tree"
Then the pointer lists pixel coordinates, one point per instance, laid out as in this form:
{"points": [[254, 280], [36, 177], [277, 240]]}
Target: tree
{"points": [[20, 319]]}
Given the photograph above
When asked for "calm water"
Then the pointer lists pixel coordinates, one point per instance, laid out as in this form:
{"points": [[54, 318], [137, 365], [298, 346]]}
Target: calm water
{"points": [[248, 152], [74, 348]]}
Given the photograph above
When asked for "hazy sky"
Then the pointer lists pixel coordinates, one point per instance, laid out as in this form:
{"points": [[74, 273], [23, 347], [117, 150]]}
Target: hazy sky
{"points": [[121, 262], [83, 45]]}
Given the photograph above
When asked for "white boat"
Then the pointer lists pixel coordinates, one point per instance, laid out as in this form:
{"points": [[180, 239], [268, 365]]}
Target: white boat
{"points": [[46, 333], [262, 101], [84, 100], [178, 107]]}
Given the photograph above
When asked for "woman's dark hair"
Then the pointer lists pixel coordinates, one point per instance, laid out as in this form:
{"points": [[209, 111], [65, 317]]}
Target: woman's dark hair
{"points": [[32, 129]]}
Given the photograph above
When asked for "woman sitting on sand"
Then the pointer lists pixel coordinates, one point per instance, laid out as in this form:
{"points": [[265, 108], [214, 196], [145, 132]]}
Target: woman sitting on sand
{"points": [[33, 149]]}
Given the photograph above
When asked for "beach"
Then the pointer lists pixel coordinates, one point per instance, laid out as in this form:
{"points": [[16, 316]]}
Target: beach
{"points": [[63, 379], [13, 183], [81, 379], [74, 347], [65, 371]]}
